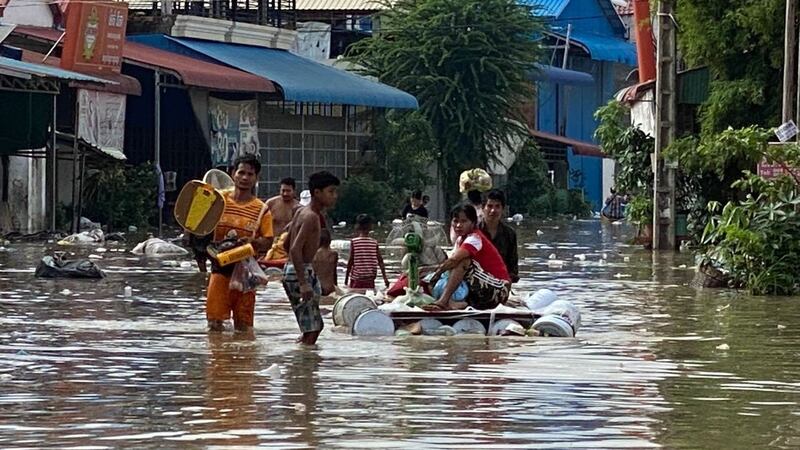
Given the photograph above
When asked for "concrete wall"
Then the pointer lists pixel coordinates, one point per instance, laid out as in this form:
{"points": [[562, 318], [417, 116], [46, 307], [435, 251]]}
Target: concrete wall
{"points": [[25, 210]]}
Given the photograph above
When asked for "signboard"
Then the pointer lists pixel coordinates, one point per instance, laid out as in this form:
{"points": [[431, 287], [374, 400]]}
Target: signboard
{"points": [[786, 131], [95, 36], [233, 126], [101, 119], [773, 170]]}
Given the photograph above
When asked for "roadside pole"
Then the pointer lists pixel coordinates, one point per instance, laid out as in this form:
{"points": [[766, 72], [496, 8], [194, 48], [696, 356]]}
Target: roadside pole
{"points": [[666, 102], [789, 62]]}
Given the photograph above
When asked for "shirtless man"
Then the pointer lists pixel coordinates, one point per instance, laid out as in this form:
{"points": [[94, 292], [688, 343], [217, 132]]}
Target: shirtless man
{"points": [[282, 206], [302, 286], [325, 262]]}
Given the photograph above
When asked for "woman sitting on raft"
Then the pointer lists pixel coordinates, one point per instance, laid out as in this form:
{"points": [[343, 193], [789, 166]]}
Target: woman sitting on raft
{"points": [[474, 260]]}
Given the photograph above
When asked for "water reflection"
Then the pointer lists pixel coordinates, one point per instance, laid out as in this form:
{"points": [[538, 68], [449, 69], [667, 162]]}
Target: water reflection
{"points": [[657, 363]]}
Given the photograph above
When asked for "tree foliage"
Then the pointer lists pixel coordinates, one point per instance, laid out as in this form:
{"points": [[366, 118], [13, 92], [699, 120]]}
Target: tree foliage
{"points": [[741, 41], [466, 61]]}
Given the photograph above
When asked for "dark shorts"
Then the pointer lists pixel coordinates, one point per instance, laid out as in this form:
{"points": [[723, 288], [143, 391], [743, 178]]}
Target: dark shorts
{"points": [[309, 319], [485, 291]]}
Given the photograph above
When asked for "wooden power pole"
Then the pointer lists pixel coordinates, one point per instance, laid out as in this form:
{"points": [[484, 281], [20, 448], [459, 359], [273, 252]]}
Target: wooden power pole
{"points": [[666, 103]]}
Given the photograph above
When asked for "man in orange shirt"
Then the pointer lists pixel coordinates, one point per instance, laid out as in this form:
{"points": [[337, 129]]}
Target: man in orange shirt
{"points": [[240, 220]]}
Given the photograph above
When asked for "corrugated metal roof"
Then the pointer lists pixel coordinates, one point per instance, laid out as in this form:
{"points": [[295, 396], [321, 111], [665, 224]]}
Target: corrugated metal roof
{"points": [[546, 8], [301, 79], [339, 5], [122, 84], [602, 48], [193, 72], [43, 71]]}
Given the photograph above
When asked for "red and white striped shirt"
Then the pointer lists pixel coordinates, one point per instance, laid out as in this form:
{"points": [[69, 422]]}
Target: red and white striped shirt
{"points": [[364, 252]]}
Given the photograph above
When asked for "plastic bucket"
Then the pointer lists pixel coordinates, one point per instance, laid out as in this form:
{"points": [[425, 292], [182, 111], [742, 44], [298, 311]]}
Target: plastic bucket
{"points": [[347, 309], [373, 322], [540, 299], [561, 318], [506, 326], [469, 326]]}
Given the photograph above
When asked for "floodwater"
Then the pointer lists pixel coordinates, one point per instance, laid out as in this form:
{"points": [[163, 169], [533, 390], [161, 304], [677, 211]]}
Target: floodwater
{"points": [[657, 363]]}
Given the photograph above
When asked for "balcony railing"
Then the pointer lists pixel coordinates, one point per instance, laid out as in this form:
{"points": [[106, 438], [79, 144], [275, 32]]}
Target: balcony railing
{"points": [[276, 13]]}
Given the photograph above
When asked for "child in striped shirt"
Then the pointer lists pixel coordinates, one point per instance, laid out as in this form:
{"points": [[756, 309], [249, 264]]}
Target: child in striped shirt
{"points": [[365, 258]]}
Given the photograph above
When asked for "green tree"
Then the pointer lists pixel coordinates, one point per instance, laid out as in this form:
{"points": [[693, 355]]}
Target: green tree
{"points": [[467, 63], [741, 41]]}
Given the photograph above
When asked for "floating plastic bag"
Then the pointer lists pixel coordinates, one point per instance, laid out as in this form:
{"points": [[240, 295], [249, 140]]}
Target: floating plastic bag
{"points": [[247, 276], [85, 237], [158, 247], [55, 267]]}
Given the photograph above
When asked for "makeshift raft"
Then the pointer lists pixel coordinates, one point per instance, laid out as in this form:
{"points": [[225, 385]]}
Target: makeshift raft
{"points": [[360, 315]]}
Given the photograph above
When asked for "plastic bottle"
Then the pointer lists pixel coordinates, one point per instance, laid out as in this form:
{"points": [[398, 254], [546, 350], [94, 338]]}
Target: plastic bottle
{"points": [[128, 291]]}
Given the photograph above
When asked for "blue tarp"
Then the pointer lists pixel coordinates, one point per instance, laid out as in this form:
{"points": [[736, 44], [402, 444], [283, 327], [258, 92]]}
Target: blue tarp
{"points": [[300, 79], [562, 76], [25, 70], [602, 48]]}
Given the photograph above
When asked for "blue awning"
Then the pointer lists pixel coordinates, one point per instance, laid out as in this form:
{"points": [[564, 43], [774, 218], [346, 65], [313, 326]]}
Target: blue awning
{"points": [[554, 74], [300, 79], [26, 70], [601, 48]]}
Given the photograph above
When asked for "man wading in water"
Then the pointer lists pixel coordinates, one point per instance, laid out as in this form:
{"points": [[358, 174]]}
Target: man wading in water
{"points": [[239, 219], [299, 279]]}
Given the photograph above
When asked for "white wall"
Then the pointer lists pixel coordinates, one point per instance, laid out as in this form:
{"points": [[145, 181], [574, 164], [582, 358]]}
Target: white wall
{"points": [[28, 12]]}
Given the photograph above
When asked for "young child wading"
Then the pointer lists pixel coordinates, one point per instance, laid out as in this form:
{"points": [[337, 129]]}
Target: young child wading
{"points": [[365, 258]]}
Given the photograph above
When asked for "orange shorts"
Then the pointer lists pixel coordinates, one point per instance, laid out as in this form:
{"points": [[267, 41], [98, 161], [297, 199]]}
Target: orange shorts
{"points": [[221, 302]]}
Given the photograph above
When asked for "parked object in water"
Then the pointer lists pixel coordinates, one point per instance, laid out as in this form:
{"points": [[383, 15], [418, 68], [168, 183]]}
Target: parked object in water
{"points": [[559, 319], [373, 322], [56, 267], [94, 236], [347, 309], [506, 327], [158, 247]]}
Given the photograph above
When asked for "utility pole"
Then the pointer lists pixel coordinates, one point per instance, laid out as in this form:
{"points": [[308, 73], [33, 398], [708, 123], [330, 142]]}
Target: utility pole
{"points": [[666, 103], [789, 61]]}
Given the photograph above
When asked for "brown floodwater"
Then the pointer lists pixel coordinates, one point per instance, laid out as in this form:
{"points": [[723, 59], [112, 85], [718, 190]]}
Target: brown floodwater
{"points": [[657, 363]]}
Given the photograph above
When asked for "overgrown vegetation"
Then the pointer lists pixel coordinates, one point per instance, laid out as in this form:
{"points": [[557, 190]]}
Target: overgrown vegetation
{"points": [[384, 201], [467, 64], [530, 192], [121, 195], [631, 148], [757, 240]]}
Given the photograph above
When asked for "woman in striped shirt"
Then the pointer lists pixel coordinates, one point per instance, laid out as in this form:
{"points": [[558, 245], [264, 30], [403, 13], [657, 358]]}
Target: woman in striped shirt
{"points": [[365, 258]]}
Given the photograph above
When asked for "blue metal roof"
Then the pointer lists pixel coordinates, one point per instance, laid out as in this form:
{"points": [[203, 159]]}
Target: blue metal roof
{"points": [[302, 79], [602, 48], [554, 74], [41, 70], [545, 8]]}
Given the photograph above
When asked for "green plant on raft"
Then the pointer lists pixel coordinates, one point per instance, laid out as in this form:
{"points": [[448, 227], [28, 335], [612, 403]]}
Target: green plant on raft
{"points": [[757, 240]]}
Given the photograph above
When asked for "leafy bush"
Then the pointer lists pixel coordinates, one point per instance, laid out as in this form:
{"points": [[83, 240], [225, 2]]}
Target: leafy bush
{"points": [[360, 194], [121, 195], [757, 240]]}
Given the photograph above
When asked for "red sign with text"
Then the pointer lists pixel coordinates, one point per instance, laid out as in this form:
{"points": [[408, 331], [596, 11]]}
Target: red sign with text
{"points": [[95, 37]]}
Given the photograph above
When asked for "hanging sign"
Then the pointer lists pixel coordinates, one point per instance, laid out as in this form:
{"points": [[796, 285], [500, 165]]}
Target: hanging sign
{"points": [[101, 119], [95, 37], [234, 130]]}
